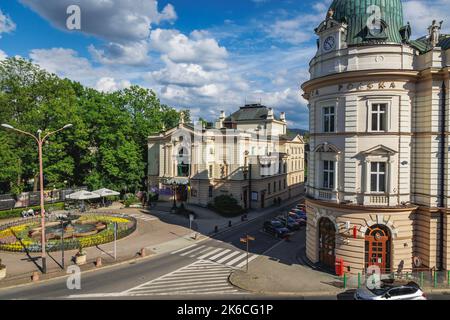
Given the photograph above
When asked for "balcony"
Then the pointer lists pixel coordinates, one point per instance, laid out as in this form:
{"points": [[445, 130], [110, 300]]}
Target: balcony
{"points": [[376, 199], [323, 194]]}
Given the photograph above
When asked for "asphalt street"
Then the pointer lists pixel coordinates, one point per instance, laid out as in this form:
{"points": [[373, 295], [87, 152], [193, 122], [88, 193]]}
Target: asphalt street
{"points": [[105, 284]]}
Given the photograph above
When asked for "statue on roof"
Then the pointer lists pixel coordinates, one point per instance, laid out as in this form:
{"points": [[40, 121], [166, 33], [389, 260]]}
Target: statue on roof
{"points": [[434, 32], [330, 14]]}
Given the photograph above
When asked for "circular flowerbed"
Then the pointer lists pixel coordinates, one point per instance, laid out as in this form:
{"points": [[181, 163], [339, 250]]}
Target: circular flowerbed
{"points": [[79, 232]]}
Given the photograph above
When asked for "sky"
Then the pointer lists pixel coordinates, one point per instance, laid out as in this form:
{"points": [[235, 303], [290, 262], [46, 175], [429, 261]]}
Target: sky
{"points": [[205, 55]]}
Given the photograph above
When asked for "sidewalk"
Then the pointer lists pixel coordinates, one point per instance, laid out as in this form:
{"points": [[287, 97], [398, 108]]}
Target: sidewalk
{"points": [[155, 236], [279, 273], [207, 219]]}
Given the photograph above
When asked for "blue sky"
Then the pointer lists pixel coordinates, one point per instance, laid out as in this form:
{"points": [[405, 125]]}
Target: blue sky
{"points": [[206, 55]]}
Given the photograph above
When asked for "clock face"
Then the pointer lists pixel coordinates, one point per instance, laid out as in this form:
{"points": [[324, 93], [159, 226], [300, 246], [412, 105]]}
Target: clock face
{"points": [[329, 43]]}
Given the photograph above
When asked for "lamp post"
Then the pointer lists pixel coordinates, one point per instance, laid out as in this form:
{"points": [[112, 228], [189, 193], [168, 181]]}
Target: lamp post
{"points": [[174, 189], [40, 141]]}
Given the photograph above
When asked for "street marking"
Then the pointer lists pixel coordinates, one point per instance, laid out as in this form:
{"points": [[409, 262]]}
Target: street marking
{"points": [[220, 254], [209, 253], [182, 249], [231, 255], [240, 265], [193, 250], [236, 259]]}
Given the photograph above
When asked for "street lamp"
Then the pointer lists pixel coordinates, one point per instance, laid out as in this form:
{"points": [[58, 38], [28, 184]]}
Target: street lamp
{"points": [[40, 141], [174, 189]]}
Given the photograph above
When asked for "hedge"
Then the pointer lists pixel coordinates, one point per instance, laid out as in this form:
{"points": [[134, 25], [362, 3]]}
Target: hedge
{"points": [[17, 213], [226, 206]]}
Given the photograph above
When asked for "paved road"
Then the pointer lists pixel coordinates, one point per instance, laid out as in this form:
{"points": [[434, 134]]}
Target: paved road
{"points": [[198, 271]]}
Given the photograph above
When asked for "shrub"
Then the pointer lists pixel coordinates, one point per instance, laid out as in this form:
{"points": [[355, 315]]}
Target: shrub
{"points": [[226, 206], [17, 213], [130, 200]]}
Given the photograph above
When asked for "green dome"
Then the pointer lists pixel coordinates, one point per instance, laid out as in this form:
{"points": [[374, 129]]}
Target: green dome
{"points": [[354, 12]]}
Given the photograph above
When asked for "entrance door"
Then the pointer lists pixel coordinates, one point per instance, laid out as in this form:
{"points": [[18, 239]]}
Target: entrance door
{"points": [[327, 243], [378, 248], [263, 200]]}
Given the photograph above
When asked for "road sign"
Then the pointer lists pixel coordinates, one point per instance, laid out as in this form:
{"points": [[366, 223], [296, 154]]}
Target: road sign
{"points": [[244, 240], [191, 217], [251, 238]]}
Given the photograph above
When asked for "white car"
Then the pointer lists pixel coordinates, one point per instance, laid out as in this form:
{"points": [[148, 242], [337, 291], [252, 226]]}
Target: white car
{"points": [[410, 291]]}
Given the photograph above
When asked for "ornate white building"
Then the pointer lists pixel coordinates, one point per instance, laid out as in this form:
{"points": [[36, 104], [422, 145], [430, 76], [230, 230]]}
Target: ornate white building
{"points": [[378, 178], [249, 155]]}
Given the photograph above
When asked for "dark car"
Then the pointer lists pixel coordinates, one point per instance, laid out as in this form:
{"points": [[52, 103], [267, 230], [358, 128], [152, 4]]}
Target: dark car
{"points": [[298, 218], [276, 228], [291, 224]]}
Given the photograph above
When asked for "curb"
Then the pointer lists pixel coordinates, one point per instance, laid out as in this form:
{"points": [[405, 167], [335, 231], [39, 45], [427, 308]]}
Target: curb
{"points": [[105, 267], [283, 293]]}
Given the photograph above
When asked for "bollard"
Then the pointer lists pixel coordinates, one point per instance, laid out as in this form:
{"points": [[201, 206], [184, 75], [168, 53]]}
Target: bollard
{"points": [[345, 281], [421, 279], [35, 276], [216, 229], [98, 262], [229, 224], [142, 253], [435, 279], [448, 278], [359, 280]]}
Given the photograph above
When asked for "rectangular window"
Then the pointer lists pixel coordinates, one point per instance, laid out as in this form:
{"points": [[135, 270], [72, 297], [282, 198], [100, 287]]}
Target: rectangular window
{"points": [[210, 191], [378, 114], [328, 174], [268, 187], [285, 184], [328, 119], [274, 187], [210, 171], [378, 177]]}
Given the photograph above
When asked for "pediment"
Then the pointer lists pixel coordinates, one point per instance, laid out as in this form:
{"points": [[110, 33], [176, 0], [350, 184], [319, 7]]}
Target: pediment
{"points": [[327, 147], [380, 150]]}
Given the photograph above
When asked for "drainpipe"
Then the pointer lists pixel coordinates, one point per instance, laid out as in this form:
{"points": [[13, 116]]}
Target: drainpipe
{"points": [[249, 186], [442, 172]]}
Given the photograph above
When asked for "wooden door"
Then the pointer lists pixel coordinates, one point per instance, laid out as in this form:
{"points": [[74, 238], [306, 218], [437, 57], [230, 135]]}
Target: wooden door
{"points": [[377, 249], [327, 243]]}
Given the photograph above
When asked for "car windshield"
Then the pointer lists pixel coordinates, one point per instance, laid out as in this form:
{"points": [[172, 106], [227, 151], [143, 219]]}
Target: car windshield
{"points": [[277, 224], [379, 291]]}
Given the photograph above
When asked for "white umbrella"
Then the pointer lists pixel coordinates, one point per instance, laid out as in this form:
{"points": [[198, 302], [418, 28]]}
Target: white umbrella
{"points": [[83, 195], [106, 193]]}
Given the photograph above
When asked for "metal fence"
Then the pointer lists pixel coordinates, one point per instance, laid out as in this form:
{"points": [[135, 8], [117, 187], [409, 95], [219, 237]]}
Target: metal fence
{"points": [[29, 199], [106, 236], [425, 279]]}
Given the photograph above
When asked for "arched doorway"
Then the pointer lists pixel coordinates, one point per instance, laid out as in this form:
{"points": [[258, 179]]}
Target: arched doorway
{"points": [[327, 243], [378, 248]]}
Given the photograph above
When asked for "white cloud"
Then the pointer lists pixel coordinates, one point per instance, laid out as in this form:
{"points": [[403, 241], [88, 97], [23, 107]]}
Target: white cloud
{"points": [[6, 24], [108, 84], [135, 53], [421, 14], [3, 55], [198, 49], [113, 20]]}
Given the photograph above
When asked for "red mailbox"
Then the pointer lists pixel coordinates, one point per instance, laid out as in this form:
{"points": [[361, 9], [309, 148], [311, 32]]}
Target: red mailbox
{"points": [[339, 267]]}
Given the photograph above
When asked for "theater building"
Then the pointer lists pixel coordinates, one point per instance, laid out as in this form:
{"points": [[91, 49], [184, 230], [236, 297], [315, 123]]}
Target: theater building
{"points": [[378, 183], [249, 155]]}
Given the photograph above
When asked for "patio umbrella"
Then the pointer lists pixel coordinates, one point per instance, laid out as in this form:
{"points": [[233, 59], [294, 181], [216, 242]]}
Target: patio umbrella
{"points": [[83, 195], [106, 193]]}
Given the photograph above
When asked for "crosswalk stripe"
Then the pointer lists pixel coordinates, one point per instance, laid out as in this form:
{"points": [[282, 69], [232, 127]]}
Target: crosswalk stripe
{"points": [[191, 251], [209, 253], [231, 255], [232, 262], [240, 265], [182, 249], [190, 284], [191, 287], [200, 252], [220, 254]]}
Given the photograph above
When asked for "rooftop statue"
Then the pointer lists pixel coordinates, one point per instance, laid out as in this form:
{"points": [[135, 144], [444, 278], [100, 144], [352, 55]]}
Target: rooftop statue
{"points": [[434, 33]]}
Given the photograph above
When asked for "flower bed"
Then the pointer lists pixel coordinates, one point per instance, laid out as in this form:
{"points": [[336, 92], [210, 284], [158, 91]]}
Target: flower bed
{"points": [[16, 237]]}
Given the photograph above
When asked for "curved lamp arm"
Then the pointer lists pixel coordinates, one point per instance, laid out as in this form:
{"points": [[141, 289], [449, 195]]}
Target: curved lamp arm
{"points": [[67, 126], [9, 127]]}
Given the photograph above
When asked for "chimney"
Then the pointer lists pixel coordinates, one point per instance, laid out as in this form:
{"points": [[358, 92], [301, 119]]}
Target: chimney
{"points": [[220, 123], [283, 116], [222, 115], [270, 114]]}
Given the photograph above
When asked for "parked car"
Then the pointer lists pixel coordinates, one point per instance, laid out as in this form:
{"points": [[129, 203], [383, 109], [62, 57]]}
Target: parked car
{"points": [[299, 211], [299, 219], [291, 224], [276, 228], [301, 207], [410, 291]]}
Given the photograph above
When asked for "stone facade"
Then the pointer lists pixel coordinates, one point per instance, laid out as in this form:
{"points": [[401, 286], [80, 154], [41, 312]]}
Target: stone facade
{"points": [[379, 122], [249, 155]]}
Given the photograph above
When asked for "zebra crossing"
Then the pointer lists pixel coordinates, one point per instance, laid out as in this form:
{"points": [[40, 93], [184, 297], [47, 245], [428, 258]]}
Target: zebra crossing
{"points": [[223, 256], [202, 277]]}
